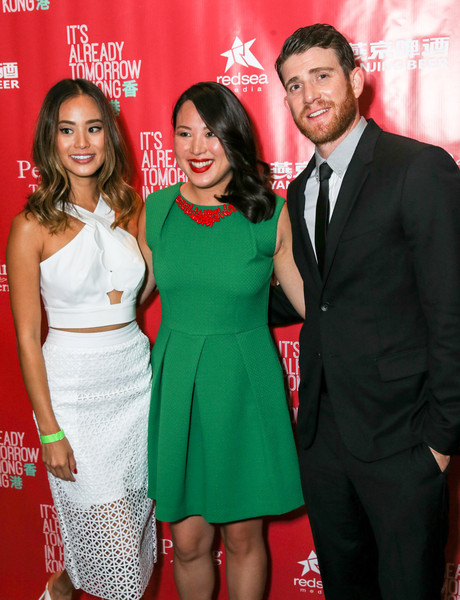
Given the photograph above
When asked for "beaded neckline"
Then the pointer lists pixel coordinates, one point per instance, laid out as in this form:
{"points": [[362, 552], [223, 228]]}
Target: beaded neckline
{"points": [[205, 216]]}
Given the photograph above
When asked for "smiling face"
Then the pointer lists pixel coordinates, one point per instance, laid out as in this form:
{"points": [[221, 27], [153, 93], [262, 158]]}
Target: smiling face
{"points": [[322, 99], [80, 139], [200, 154]]}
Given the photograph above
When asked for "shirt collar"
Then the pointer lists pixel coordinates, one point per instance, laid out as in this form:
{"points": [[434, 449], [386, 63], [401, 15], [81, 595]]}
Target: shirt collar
{"points": [[340, 158]]}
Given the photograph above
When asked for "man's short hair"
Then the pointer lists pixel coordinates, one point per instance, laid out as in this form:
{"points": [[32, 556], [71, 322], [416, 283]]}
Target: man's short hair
{"points": [[317, 36]]}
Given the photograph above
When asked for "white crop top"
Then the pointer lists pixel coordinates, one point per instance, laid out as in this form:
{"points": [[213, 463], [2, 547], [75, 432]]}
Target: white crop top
{"points": [[75, 280]]}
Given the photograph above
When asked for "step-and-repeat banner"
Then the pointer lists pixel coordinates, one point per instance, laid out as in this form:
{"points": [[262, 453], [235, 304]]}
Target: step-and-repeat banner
{"points": [[143, 54]]}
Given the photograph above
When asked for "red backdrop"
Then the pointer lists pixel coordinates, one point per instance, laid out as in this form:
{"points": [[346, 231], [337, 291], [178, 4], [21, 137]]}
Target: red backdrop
{"points": [[143, 54]]}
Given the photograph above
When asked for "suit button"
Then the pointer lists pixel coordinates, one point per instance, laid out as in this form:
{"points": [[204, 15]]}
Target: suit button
{"points": [[325, 307], [318, 354]]}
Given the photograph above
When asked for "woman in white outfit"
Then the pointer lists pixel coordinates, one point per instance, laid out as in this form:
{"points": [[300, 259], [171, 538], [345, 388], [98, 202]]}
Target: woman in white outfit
{"points": [[74, 245]]}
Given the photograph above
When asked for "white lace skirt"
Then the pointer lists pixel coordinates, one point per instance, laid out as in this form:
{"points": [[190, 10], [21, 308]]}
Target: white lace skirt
{"points": [[100, 393]]}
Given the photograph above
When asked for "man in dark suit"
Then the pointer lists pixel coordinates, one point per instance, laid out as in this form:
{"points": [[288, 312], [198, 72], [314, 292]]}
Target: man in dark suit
{"points": [[376, 236]]}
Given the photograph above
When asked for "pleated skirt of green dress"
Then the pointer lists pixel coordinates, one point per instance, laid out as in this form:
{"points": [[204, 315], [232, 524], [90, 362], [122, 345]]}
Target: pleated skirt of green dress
{"points": [[220, 440]]}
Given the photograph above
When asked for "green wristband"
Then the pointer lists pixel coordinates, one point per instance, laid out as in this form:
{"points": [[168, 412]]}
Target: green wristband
{"points": [[53, 437]]}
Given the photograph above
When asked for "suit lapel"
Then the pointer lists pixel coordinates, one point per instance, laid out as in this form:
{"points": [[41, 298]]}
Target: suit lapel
{"points": [[354, 179], [309, 253]]}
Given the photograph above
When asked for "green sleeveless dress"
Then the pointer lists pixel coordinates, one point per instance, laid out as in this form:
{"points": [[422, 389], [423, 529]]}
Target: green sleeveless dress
{"points": [[220, 437]]}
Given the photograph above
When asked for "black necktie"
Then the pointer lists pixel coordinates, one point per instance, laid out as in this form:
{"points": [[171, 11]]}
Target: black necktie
{"points": [[322, 214]]}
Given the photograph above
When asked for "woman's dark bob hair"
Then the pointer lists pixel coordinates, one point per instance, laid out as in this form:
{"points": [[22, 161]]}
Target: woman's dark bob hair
{"points": [[249, 189]]}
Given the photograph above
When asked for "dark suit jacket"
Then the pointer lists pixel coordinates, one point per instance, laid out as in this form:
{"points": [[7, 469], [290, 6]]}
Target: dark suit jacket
{"points": [[384, 323]]}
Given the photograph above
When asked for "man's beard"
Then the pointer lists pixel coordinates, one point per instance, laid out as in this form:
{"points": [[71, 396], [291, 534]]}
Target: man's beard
{"points": [[345, 114]]}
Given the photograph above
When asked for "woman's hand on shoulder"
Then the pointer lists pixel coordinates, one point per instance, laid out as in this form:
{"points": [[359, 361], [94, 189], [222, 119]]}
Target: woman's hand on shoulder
{"points": [[286, 271], [59, 459]]}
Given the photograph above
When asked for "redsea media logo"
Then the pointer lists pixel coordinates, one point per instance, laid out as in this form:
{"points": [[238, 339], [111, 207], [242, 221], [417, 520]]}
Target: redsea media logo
{"points": [[240, 53], [244, 67], [310, 578]]}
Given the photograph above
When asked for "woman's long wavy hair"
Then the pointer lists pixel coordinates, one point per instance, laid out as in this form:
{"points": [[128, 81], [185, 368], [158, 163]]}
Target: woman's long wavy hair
{"points": [[249, 189], [48, 201]]}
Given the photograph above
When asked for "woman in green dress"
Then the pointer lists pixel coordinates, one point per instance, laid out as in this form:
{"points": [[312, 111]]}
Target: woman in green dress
{"points": [[221, 448]]}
